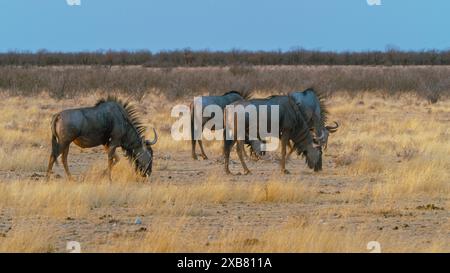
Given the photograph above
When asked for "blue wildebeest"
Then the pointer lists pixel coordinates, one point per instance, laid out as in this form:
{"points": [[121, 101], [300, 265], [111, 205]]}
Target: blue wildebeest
{"points": [[291, 125], [111, 123], [312, 105], [220, 101]]}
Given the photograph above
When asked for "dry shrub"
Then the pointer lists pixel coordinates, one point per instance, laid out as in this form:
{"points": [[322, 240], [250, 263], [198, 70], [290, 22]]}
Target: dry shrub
{"points": [[67, 82]]}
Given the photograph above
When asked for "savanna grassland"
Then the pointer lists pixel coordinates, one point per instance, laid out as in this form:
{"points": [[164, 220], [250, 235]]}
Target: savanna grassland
{"points": [[386, 178]]}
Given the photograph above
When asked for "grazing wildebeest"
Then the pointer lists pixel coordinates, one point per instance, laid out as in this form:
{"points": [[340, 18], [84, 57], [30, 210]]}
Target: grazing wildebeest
{"points": [[111, 123], [312, 105], [220, 101], [291, 124]]}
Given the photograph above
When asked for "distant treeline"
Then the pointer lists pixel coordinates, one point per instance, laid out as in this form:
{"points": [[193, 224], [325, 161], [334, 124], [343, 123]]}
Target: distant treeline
{"points": [[188, 58]]}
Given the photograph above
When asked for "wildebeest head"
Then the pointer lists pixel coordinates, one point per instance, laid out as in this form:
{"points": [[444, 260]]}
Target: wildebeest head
{"points": [[304, 143], [313, 157], [312, 152], [314, 110], [144, 156], [323, 138]]}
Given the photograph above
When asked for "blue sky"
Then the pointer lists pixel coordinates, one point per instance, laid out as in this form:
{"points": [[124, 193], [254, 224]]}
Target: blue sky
{"points": [[223, 24]]}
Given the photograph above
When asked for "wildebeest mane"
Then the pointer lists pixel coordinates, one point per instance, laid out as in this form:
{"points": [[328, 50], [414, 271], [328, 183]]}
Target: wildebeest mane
{"points": [[323, 107], [131, 113], [244, 94], [272, 96], [298, 126]]}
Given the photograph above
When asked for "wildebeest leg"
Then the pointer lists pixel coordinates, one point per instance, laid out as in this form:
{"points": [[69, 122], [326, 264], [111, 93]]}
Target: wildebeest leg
{"points": [[227, 145], [240, 148], [284, 143], [53, 156], [193, 140], [245, 152], [246, 155], [51, 161], [194, 155], [291, 149], [65, 153], [112, 160], [200, 143]]}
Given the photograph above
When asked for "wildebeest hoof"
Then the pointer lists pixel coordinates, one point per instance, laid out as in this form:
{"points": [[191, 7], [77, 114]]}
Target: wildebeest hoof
{"points": [[255, 158], [285, 172], [247, 172]]}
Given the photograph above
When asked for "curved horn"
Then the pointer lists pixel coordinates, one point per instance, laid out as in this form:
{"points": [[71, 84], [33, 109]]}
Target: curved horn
{"points": [[332, 129], [321, 136], [155, 139]]}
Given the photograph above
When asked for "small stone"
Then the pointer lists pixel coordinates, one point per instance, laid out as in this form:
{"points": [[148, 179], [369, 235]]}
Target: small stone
{"points": [[138, 221]]}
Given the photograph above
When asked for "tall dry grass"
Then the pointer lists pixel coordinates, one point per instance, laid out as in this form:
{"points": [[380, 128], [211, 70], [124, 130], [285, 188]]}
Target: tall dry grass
{"points": [[60, 199]]}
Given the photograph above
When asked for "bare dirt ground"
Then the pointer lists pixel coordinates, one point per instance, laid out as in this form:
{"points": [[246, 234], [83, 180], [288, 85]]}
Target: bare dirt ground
{"points": [[190, 205]]}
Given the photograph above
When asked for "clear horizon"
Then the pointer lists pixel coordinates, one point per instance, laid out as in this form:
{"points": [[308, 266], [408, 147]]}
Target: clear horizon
{"points": [[214, 25]]}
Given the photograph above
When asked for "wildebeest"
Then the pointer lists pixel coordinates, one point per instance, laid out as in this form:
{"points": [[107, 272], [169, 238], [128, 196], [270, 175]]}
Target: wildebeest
{"points": [[312, 105], [111, 123], [220, 101], [291, 124], [314, 111]]}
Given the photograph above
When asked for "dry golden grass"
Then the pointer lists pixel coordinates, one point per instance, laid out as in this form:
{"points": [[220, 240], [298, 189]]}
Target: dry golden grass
{"points": [[58, 199], [291, 237], [23, 238], [297, 235], [389, 156]]}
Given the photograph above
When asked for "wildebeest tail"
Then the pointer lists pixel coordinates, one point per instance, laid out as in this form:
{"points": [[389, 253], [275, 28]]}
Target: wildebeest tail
{"points": [[55, 144]]}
